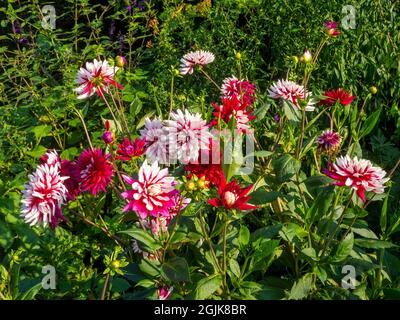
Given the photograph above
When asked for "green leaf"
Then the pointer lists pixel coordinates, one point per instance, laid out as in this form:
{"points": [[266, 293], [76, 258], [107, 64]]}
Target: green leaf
{"points": [[320, 205], [310, 252], [31, 293], [41, 131], [321, 273], [285, 167], [207, 286], [234, 267], [6, 236], [370, 123], [374, 244], [301, 288], [264, 255], [244, 236], [344, 248], [37, 151], [119, 285], [150, 267], [176, 270], [146, 239], [383, 218]]}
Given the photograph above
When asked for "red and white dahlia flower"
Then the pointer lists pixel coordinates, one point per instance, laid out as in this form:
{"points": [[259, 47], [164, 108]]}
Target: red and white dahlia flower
{"points": [[191, 59], [152, 193], [291, 91], [358, 174], [96, 78], [187, 135], [243, 90], [45, 193], [156, 137]]}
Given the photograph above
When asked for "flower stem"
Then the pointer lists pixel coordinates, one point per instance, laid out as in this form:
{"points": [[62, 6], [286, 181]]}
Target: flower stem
{"points": [[209, 78], [84, 127]]}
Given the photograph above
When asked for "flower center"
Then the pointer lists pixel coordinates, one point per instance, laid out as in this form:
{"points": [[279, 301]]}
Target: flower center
{"points": [[229, 198]]}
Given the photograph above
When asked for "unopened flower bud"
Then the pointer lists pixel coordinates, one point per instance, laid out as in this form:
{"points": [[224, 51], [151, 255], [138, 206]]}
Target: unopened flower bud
{"points": [[238, 56], [307, 56], [121, 61], [373, 90], [229, 198], [108, 137], [190, 186], [295, 59], [115, 264]]}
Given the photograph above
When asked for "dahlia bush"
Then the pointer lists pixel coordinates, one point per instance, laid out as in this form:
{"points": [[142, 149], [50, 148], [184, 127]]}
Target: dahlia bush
{"points": [[221, 187]]}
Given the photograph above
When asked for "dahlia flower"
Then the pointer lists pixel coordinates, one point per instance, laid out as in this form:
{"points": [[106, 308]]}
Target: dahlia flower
{"points": [[212, 173], [164, 293], [233, 107], [358, 174], [156, 137], [329, 141], [290, 91], [128, 149], [338, 95], [51, 158], [96, 78], [331, 28], [191, 59], [43, 196], [232, 196], [187, 135], [151, 193], [243, 90], [72, 184], [94, 170]]}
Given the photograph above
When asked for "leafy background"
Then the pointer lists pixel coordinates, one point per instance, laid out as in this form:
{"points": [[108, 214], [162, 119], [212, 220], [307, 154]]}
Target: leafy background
{"points": [[38, 69]]}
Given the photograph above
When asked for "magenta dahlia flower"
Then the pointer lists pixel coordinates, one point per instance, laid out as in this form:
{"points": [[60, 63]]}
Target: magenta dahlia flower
{"points": [[72, 184], [151, 193], [164, 293], [191, 59], [96, 78], [358, 174], [329, 140], [187, 135], [290, 91], [94, 170], [331, 28], [243, 90], [43, 196]]}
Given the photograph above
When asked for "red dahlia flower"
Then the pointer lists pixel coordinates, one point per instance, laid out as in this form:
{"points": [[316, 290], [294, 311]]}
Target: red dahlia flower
{"points": [[339, 95], [128, 149], [359, 174], [233, 107], [231, 196], [94, 170]]}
